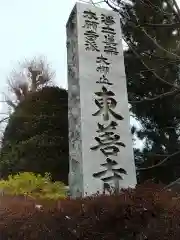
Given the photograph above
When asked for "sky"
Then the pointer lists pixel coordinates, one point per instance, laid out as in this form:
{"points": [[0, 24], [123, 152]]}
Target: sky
{"points": [[33, 28]]}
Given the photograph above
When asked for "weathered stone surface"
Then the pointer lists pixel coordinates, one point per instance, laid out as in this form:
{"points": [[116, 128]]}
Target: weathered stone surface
{"points": [[101, 154]]}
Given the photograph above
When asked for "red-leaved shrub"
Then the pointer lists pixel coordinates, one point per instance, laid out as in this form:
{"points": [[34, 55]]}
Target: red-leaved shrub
{"points": [[144, 213]]}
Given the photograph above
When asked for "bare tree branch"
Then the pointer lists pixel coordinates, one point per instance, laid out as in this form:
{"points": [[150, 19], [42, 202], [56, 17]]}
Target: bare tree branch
{"points": [[157, 97], [167, 25], [111, 6], [4, 119], [177, 8], [171, 184], [158, 45], [153, 72], [157, 9], [32, 76], [160, 163]]}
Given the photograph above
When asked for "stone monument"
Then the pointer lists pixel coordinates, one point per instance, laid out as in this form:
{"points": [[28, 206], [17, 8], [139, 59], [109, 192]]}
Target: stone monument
{"points": [[100, 141]]}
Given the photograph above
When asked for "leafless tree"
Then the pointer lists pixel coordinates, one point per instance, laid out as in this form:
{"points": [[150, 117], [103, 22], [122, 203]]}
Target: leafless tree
{"points": [[31, 76]]}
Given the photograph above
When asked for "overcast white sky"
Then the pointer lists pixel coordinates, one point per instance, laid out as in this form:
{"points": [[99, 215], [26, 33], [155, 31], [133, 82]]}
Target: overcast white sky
{"points": [[33, 28]]}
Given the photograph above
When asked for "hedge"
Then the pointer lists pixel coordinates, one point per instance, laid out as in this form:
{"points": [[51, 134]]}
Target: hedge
{"points": [[144, 213]]}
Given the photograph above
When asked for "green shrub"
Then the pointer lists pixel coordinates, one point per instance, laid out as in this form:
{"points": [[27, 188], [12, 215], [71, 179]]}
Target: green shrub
{"points": [[33, 185]]}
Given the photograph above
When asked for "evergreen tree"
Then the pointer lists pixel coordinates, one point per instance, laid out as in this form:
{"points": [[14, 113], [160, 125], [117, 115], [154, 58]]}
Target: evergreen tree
{"points": [[36, 136]]}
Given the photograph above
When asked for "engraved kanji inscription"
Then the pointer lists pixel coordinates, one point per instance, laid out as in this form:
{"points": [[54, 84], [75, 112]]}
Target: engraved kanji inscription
{"points": [[103, 64], [91, 23], [90, 15], [103, 67], [108, 30], [91, 20], [110, 45], [108, 143], [103, 60], [107, 19], [90, 40], [111, 168], [104, 80], [106, 104], [103, 128]]}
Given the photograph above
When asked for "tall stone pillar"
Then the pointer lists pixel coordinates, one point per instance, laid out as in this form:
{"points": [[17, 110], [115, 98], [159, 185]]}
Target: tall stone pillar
{"points": [[100, 141]]}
